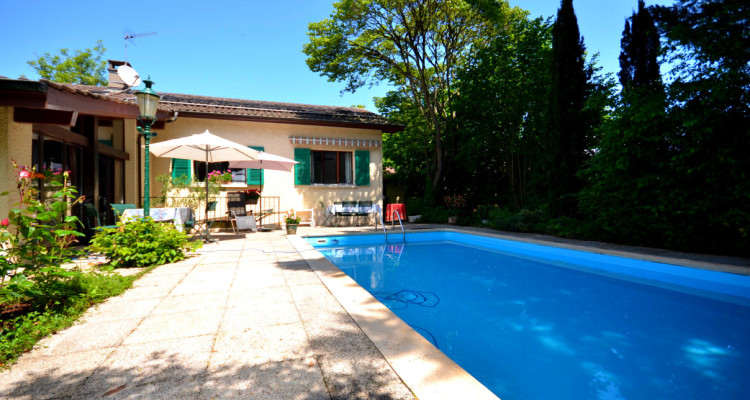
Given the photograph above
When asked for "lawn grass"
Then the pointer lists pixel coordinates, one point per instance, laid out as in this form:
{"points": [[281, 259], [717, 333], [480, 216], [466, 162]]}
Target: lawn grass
{"points": [[20, 333]]}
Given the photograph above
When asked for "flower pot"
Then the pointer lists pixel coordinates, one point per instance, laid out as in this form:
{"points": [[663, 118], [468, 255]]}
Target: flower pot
{"points": [[452, 220], [251, 200], [291, 229]]}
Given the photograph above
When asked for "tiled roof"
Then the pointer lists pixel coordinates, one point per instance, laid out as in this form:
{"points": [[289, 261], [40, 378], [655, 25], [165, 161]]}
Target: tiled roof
{"points": [[91, 91], [238, 108]]}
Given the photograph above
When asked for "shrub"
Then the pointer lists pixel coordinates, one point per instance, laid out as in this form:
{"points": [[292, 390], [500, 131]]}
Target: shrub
{"points": [[415, 206], [38, 296], [521, 221], [142, 243], [436, 214], [35, 240]]}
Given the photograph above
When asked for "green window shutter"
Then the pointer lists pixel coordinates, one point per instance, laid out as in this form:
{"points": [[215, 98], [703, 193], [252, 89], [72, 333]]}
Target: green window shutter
{"points": [[362, 167], [181, 169], [254, 176], [302, 170]]}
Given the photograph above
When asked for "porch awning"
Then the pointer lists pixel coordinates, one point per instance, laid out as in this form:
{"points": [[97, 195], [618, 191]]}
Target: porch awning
{"points": [[335, 142]]}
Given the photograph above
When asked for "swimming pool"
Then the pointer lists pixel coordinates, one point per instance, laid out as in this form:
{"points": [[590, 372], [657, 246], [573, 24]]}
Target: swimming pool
{"points": [[538, 322]]}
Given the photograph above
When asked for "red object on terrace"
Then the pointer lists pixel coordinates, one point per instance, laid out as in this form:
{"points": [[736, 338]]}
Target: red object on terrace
{"points": [[389, 211]]}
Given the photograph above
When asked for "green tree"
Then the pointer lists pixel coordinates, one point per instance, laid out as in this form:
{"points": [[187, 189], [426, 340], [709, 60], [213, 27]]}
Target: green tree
{"points": [[416, 45], [709, 98], [408, 152], [501, 112], [563, 150], [84, 67], [629, 175]]}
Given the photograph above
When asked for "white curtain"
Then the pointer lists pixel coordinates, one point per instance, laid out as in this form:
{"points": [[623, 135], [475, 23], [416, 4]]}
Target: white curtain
{"points": [[349, 167]]}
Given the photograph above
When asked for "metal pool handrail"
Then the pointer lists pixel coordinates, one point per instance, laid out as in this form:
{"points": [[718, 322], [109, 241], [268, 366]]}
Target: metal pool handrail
{"points": [[403, 232], [380, 215]]}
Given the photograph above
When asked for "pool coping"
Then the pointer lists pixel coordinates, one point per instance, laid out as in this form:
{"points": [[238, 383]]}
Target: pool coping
{"points": [[423, 368], [734, 265]]}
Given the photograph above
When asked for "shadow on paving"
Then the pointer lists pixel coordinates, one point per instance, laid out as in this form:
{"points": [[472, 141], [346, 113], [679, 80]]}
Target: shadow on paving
{"points": [[289, 379], [351, 364], [170, 379]]}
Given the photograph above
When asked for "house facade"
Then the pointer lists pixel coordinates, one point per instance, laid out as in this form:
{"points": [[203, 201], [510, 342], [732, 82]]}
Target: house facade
{"points": [[91, 132]]}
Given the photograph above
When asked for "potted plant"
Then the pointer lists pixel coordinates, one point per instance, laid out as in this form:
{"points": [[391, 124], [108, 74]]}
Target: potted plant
{"points": [[219, 177], [251, 196], [292, 221]]}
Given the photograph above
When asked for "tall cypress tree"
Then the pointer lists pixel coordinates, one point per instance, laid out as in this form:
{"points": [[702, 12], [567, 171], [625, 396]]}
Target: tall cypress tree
{"points": [[639, 67], [564, 150]]}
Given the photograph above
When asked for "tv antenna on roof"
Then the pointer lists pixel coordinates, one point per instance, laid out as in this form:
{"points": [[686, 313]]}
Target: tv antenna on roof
{"points": [[129, 36]]}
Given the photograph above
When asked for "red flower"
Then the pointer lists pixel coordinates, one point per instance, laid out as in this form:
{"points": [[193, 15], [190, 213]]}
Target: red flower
{"points": [[24, 174], [5, 222]]}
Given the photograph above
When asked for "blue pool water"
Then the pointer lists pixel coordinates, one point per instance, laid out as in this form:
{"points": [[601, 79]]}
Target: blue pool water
{"points": [[537, 322]]}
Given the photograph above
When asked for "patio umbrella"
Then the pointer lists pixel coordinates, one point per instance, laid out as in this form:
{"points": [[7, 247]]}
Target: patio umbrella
{"points": [[204, 147], [266, 161]]}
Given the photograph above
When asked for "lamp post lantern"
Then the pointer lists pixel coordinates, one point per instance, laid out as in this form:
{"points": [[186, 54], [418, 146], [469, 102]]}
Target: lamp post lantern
{"points": [[147, 100]]}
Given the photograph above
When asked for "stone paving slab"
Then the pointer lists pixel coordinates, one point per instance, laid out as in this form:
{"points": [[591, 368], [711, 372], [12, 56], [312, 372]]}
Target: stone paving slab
{"points": [[175, 326], [261, 295], [242, 315], [116, 309], [37, 376], [260, 345], [186, 385], [86, 336], [151, 291], [150, 362], [191, 302], [289, 380]]}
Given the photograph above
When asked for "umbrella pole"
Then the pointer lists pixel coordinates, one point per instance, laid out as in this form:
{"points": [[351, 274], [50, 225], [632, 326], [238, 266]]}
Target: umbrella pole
{"points": [[208, 231]]}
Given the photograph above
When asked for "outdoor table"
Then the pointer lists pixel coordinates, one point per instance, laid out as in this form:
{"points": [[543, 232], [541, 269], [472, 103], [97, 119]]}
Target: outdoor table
{"points": [[177, 215], [390, 208], [338, 209]]}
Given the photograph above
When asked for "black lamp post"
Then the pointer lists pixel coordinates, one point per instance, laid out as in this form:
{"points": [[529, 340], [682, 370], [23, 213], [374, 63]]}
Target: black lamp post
{"points": [[147, 100]]}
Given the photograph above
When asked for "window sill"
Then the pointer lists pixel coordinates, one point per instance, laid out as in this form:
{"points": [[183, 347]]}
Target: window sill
{"points": [[333, 186], [224, 185]]}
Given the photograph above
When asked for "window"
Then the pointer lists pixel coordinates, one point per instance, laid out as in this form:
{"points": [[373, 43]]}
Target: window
{"points": [[238, 174], [331, 167]]}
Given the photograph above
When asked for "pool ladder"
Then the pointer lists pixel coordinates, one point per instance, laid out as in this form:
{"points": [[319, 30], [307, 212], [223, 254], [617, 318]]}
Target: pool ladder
{"points": [[385, 233], [380, 215], [403, 232]]}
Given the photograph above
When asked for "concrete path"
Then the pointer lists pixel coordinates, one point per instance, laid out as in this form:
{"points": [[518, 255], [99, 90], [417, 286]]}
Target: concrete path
{"points": [[247, 318]]}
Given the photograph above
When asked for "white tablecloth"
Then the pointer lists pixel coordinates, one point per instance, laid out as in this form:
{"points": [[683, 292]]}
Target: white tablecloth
{"points": [[336, 210], [339, 209], [178, 215]]}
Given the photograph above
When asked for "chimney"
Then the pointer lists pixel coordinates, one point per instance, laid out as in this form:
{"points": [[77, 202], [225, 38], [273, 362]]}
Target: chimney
{"points": [[114, 79]]}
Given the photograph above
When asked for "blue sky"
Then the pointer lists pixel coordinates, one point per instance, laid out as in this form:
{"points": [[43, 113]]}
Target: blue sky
{"points": [[239, 49]]}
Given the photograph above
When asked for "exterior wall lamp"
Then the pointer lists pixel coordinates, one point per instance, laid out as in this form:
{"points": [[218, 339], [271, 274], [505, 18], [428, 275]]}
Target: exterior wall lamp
{"points": [[147, 100]]}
